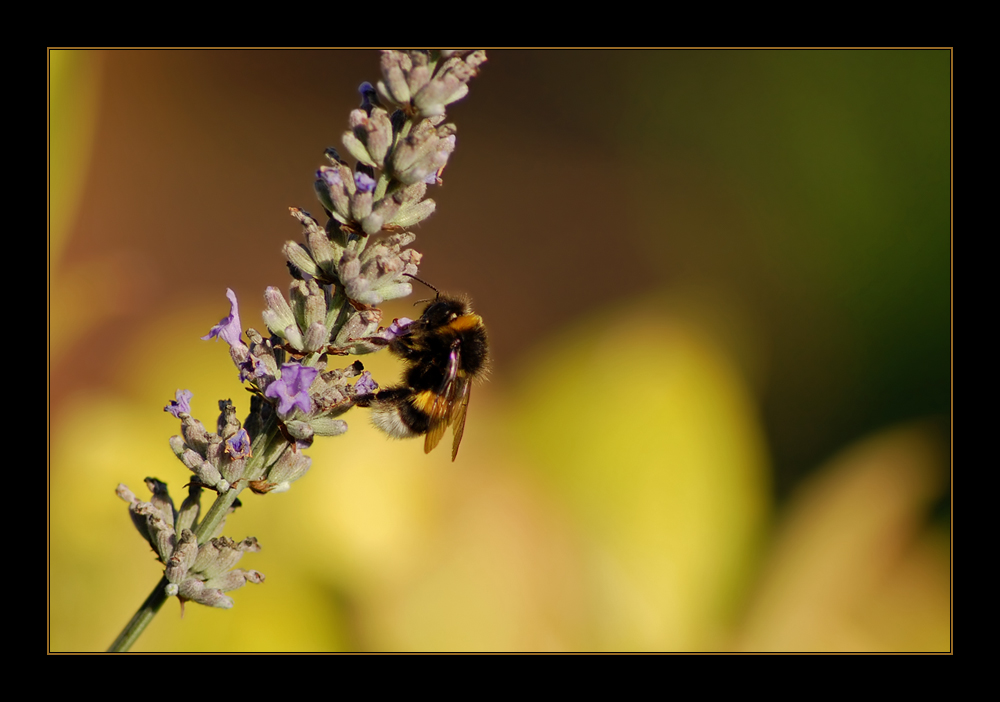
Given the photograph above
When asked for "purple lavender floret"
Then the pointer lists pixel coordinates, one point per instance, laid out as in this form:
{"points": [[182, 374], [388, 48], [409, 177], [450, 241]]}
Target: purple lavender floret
{"points": [[239, 445], [330, 176], [228, 328], [366, 385], [364, 182], [182, 405], [292, 389], [397, 328], [252, 367]]}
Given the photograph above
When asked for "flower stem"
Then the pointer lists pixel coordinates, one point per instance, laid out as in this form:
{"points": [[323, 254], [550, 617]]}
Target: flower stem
{"points": [[142, 618]]}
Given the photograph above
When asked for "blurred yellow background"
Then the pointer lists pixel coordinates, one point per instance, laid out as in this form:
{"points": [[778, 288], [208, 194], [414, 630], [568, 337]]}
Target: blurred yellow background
{"points": [[717, 285]]}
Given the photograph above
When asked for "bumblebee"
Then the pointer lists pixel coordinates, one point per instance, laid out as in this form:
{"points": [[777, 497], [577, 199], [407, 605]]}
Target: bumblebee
{"points": [[445, 350]]}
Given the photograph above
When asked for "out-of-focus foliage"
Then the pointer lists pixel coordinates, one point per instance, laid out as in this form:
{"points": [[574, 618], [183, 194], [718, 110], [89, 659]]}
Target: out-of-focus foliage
{"points": [[744, 284], [853, 566], [655, 448], [571, 523]]}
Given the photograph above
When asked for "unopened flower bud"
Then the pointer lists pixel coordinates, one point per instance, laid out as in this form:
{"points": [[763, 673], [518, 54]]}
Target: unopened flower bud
{"points": [[232, 580], [195, 590], [187, 515], [279, 319], [338, 184], [228, 424], [161, 499], [219, 555], [290, 467], [183, 557], [394, 87], [316, 337], [324, 426], [195, 434], [161, 534], [299, 256], [424, 151]]}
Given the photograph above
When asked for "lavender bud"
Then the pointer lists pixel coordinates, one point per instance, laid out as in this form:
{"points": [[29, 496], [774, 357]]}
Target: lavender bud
{"points": [[423, 152], [300, 431], [372, 224], [195, 590], [161, 534], [228, 424], [219, 555], [357, 149], [299, 256], [324, 426], [394, 87], [232, 469], [316, 337], [290, 467], [420, 70], [279, 319], [183, 557], [194, 433], [413, 214], [339, 185], [161, 499], [234, 579], [448, 84], [187, 515], [314, 306], [379, 129], [323, 251]]}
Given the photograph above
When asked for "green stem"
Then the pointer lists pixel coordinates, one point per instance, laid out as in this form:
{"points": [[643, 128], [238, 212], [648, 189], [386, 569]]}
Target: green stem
{"points": [[142, 618], [217, 512]]}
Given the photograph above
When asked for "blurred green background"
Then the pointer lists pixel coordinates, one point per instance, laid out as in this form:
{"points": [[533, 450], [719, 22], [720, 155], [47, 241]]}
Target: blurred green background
{"points": [[717, 285]]}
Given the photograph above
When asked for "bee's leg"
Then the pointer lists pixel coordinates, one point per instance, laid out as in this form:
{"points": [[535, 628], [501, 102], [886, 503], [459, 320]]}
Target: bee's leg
{"points": [[384, 396], [375, 343]]}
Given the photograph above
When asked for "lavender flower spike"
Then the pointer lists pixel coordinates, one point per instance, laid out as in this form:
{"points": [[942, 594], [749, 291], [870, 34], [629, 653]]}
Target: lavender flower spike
{"points": [[342, 272], [228, 328], [292, 389]]}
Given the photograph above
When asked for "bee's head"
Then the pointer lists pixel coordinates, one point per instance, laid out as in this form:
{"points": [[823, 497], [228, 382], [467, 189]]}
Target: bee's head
{"points": [[443, 309]]}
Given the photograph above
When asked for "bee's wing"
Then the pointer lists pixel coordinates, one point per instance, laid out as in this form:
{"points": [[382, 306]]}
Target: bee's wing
{"points": [[433, 436], [458, 416], [442, 409]]}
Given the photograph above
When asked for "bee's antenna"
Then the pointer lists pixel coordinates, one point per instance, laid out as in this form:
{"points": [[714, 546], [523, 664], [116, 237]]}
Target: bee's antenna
{"points": [[424, 282]]}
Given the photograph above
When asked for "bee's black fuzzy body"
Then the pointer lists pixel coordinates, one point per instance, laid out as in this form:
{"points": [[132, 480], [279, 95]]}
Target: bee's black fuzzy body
{"points": [[444, 351]]}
